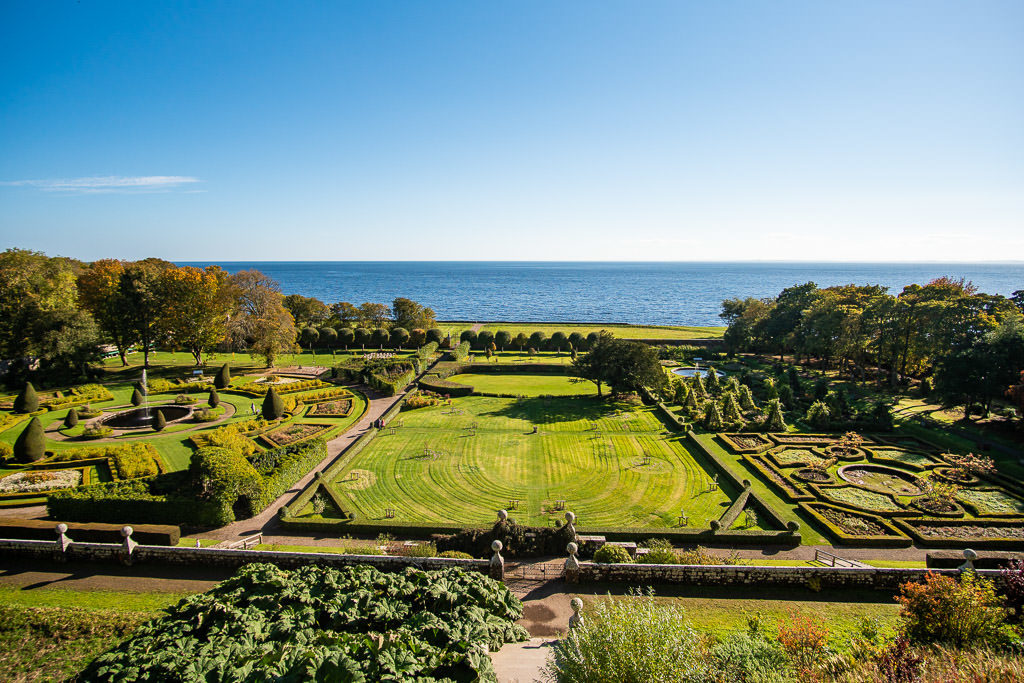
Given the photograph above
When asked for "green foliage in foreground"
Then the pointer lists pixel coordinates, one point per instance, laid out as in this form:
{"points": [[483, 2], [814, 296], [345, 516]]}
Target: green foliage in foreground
{"points": [[318, 623]]}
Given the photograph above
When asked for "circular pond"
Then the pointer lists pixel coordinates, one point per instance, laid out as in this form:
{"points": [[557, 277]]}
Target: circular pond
{"points": [[690, 372], [882, 479], [140, 418]]}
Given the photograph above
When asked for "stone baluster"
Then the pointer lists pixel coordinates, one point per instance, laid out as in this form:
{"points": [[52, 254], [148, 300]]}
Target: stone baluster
{"points": [[576, 620], [572, 565], [497, 569]]}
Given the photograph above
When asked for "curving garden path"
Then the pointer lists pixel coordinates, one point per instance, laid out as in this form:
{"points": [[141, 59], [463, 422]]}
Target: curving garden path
{"points": [[266, 521]]}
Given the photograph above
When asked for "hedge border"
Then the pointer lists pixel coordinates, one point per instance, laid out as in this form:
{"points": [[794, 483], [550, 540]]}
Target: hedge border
{"points": [[819, 489], [897, 539], [994, 543], [976, 511], [726, 437], [794, 493]]}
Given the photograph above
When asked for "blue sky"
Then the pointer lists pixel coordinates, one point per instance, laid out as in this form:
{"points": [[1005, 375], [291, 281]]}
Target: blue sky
{"points": [[523, 130]]}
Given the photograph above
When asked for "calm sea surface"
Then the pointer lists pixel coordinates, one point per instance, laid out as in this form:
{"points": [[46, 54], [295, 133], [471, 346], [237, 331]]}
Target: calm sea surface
{"points": [[652, 293]]}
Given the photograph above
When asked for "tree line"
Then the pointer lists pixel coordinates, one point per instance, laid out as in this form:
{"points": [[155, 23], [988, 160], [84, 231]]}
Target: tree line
{"points": [[966, 344], [57, 313]]}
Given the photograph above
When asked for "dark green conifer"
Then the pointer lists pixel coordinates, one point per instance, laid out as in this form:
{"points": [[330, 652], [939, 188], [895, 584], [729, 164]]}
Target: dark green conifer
{"points": [[30, 445], [159, 421], [27, 401], [223, 378], [71, 419], [273, 405]]}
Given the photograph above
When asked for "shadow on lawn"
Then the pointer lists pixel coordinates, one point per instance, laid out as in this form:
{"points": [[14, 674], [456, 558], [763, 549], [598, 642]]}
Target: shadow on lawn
{"points": [[558, 409]]}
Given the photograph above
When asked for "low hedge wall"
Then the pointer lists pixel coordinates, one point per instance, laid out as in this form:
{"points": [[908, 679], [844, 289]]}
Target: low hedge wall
{"points": [[37, 529], [995, 543], [778, 481], [293, 464], [896, 539], [131, 502], [765, 511], [729, 517], [426, 351], [460, 352], [444, 387]]}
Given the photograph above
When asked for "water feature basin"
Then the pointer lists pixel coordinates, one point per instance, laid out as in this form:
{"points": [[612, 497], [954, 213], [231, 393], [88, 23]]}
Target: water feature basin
{"points": [[142, 418], [690, 372]]}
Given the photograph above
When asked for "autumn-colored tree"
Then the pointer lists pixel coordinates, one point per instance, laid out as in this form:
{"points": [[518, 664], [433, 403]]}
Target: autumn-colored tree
{"points": [[198, 303], [142, 300], [260, 323], [374, 316], [99, 292]]}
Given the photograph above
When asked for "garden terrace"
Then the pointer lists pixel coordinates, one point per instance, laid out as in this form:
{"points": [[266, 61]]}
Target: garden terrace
{"points": [[881, 494], [613, 465]]}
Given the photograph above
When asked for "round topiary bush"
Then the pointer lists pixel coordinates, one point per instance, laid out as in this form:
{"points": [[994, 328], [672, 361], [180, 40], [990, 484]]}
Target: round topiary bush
{"points": [[612, 554], [273, 405], [214, 399], [71, 419], [30, 445], [714, 525], [159, 421], [27, 401], [793, 527]]}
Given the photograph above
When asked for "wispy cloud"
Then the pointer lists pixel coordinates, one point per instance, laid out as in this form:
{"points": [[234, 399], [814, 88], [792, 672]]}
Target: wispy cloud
{"points": [[108, 184]]}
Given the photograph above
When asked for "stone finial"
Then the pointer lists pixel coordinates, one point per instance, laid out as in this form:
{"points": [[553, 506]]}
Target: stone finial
{"points": [[576, 619], [969, 557], [128, 547], [497, 568], [62, 539], [502, 516], [746, 484], [570, 517], [572, 565]]}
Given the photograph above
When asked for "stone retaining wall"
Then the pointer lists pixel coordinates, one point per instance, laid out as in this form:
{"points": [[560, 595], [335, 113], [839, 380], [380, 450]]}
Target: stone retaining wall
{"points": [[814, 577], [222, 557]]}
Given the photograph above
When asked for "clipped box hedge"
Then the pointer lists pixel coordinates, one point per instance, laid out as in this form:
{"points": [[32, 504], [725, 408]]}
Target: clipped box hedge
{"points": [[894, 539], [909, 527], [444, 387], [37, 529]]}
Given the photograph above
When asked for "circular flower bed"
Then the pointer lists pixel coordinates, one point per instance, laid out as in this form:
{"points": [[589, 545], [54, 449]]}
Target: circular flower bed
{"points": [[41, 480], [812, 475], [937, 507], [883, 479], [957, 476]]}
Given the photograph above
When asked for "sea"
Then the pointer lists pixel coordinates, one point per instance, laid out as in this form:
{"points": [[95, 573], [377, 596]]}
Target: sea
{"points": [[639, 293]]}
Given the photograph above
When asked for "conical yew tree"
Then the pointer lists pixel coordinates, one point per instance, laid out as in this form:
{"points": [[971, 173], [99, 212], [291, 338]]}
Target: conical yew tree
{"points": [[273, 405], [30, 445], [27, 401]]}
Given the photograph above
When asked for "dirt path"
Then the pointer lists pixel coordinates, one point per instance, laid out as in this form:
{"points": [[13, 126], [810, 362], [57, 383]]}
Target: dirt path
{"points": [[266, 521], [477, 327]]}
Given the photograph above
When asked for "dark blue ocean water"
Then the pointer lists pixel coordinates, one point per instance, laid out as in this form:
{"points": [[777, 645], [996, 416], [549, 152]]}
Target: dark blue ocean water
{"points": [[652, 293]]}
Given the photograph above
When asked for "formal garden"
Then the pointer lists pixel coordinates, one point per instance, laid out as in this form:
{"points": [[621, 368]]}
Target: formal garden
{"points": [[148, 430]]}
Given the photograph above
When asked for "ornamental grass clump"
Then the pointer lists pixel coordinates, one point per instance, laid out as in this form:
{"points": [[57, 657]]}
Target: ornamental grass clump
{"points": [[634, 639]]}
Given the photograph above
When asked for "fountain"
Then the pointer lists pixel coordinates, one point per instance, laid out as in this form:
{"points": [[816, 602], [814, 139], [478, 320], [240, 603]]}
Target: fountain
{"points": [[145, 394], [139, 418]]}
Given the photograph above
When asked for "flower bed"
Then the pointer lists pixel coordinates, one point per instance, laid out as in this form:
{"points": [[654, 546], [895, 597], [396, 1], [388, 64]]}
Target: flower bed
{"points": [[966, 530], [801, 439], [784, 486], [861, 498], [812, 475], [261, 389], [41, 480], [339, 408], [991, 502], [746, 443], [913, 459], [295, 432], [790, 457]]}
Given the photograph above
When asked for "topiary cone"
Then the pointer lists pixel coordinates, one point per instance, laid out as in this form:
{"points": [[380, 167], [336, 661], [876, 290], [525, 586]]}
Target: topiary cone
{"points": [[30, 445], [223, 378], [214, 399], [159, 421], [72, 418], [273, 405], [28, 400], [137, 397]]}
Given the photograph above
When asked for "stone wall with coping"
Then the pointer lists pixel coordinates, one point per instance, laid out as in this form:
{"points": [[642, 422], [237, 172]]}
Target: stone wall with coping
{"points": [[223, 557], [708, 575]]}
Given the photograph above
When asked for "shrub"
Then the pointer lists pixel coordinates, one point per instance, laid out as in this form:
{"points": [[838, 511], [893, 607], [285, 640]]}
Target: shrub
{"points": [[747, 656], [942, 610], [1013, 589], [96, 432], [804, 639], [27, 401], [702, 556], [6, 450], [228, 436], [456, 555], [627, 640], [205, 415], [137, 397], [818, 415], [30, 444], [420, 550], [460, 352], [774, 422], [659, 556], [159, 421], [214, 399], [224, 477], [612, 554], [71, 419], [273, 405], [222, 380]]}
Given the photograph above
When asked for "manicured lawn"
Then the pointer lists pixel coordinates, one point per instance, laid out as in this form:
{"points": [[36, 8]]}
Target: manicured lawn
{"points": [[598, 473], [624, 331], [525, 385]]}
